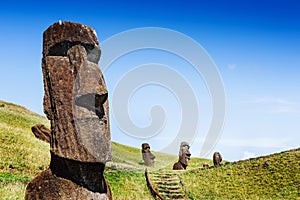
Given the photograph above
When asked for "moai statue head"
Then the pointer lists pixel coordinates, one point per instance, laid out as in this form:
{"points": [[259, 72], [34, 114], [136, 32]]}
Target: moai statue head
{"points": [[76, 104], [41, 132], [217, 158], [206, 165], [184, 157], [184, 153], [75, 98], [148, 157]]}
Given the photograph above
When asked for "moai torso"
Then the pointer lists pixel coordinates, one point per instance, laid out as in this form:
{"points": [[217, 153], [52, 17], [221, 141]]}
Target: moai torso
{"points": [[76, 104]]}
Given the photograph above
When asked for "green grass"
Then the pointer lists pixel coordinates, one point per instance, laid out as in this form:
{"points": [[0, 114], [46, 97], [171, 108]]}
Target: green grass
{"points": [[23, 157], [128, 184], [128, 157], [271, 177]]}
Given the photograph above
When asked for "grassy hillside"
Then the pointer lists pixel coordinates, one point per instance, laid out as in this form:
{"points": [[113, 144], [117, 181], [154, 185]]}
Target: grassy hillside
{"points": [[22, 157], [270, 177]]}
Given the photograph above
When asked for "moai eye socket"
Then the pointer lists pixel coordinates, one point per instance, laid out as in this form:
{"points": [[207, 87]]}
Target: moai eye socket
{"points": [[61, 49]]}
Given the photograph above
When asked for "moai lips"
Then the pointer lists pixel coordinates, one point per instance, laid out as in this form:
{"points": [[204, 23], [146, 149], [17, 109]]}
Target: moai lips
{"points": [[76, 103]]}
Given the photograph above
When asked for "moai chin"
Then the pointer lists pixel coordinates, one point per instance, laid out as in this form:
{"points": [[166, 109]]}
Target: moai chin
{"points": [[76, 104], [148, 157], [184, 157]]}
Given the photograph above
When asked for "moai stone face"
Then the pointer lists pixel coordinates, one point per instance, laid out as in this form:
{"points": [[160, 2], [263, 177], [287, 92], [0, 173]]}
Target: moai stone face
{"points": [[148, 157], [184, 153], [217, 158], [184, 157], [76, 104], [75, 98]]}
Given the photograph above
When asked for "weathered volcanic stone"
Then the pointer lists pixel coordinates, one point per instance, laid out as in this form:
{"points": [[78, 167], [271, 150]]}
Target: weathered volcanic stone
{"points": [[147, 156], [184, 157], [76, 103], [41, 132], [217, 158]]}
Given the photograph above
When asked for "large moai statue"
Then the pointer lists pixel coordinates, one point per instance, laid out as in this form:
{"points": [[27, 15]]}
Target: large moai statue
{"points": [[184, 157], [76, 104], [148, 157]]}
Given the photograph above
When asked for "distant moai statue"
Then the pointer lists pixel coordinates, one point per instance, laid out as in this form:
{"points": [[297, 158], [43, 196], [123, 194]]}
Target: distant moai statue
{"points": [[41, 132], [217, 158], [184, 157], [75, 102], [148, 157], [206, 165]]}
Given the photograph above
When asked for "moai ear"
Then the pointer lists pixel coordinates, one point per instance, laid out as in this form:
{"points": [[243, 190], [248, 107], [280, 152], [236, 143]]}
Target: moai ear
{"points": [[77, 56]]}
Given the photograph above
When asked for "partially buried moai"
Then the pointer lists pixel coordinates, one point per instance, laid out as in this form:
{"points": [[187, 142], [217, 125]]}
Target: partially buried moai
{"points": [[184, 157], [217, 158], [148, 157], [41, 132], [76, 104]]}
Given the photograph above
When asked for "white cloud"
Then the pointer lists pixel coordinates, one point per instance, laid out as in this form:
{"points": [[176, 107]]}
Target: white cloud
{"points": [[247, 155], [256, 142], [283, 109], [268, 100], [231, 66], [277, 105]]}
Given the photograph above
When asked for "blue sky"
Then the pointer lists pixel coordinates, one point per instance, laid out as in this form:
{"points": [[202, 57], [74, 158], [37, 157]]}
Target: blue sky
{"points": [[254, 44]]}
